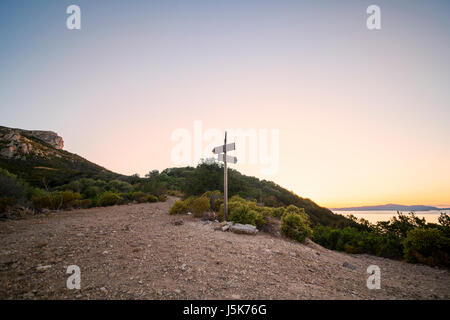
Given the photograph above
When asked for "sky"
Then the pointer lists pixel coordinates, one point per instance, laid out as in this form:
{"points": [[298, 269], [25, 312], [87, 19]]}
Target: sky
{"points": [[362, 115]]}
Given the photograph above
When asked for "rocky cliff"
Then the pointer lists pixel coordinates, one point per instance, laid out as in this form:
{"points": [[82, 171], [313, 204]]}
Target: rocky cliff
{"points": [[17, 143], [38, 158]]}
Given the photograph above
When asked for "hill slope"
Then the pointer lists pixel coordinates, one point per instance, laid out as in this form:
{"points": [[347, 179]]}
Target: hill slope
{"points": [[196, 181], [38, 158]]}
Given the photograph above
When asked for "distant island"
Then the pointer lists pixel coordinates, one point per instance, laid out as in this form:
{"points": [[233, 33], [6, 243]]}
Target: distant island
{"points": [[390, 207]]}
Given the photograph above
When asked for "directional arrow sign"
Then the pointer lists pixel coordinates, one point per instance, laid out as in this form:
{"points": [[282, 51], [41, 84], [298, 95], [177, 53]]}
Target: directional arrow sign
{"points": [[224, 148], [229, 158]]}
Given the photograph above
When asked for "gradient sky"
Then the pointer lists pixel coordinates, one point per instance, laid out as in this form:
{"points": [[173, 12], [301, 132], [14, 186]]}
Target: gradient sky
{"points": [[363, 115]]}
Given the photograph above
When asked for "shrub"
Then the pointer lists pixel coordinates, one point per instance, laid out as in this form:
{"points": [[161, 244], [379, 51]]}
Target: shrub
{"points": [[295, 209], [139, 196], [161, 198], [231, 206], [108, 198], [179, 207], [119, 186], [68, 198], [295, 226], [152, 198], [47, 200], [200, 205], [216, 204], [6, 202], [215, 199], [189, 202], [278, 212], [352, 240], [427, 246], [12, 187], [92, 191], [245, 215], [82, 204], [237, 198]]}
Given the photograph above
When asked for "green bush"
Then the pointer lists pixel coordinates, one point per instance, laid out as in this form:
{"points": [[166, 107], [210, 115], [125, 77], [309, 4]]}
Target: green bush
{"points": [[427, 245], [295, 209], [179, 207], [11, 187], [92, 191], [200, 205], [6, 202], [152, 198], [139, 197], [231, 206], [278, 212], [245, 215], [68, 198], [119, 186], [295, 225], [108, 198], [216, 205], [352, 240], [82, 203]]}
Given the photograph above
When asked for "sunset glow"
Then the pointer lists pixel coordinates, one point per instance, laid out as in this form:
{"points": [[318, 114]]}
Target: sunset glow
{"points": [[363, 115]]}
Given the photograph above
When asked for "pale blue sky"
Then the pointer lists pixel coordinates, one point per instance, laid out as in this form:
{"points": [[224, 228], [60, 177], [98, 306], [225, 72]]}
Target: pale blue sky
{"points": [[137, 70]]}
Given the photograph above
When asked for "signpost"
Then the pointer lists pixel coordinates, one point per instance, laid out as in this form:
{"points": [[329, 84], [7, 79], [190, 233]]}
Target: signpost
{"points": [[222, 154]]}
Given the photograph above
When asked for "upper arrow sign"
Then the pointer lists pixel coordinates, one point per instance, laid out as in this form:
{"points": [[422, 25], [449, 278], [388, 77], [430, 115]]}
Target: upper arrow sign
{"points": [[230, 159], [227, 147]]}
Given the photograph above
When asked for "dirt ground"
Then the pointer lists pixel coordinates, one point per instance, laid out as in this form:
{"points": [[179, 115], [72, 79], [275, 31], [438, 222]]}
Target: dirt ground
{"points": [[136, 252]]}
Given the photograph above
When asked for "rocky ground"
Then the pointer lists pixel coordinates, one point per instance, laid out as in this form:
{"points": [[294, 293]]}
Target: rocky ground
{"points": [[137, 252]]}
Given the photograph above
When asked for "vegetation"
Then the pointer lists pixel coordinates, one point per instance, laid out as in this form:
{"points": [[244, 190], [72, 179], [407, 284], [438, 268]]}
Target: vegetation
{"points": [[295, 224], [404, 236], [80, 193], [13, 191], [205, 177], [62, 180]]}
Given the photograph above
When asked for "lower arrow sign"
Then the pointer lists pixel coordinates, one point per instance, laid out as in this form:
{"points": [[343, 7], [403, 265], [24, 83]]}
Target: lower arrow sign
{"points": [[230, 159]]}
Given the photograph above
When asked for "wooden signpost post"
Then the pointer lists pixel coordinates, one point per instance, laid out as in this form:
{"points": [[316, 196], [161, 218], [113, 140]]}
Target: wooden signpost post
{"points": [[222, 154]]}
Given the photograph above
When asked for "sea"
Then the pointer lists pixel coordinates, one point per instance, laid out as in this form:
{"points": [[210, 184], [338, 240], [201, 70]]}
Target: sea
{"points": [[375, 216]]}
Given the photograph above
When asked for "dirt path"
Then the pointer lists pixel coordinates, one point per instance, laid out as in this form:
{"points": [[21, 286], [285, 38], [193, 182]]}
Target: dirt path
{"points": [[135, 252]]}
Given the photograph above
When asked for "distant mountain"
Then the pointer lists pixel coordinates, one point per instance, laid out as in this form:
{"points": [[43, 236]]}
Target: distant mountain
{"points": [[390, 207], [38, 158]]}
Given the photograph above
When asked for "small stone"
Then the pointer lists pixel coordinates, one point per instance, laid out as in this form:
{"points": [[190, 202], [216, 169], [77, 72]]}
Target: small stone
{"points": [[348, 265], [178, 222], [43, 268], [235, 296], [103, 289], [292, 254]]}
